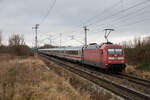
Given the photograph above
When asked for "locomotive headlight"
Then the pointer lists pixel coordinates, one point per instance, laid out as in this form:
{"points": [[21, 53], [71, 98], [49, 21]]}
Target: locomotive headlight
{"points": [[111, 58], [120, 58]]}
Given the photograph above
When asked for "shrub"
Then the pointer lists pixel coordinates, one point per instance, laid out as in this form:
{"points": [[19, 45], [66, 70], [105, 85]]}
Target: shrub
{"points": [[139, 54], [20, 50], [17, 50], [144, 66], [3, 49]]}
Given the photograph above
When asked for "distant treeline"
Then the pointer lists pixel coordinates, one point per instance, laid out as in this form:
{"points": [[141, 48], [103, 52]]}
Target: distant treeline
{"points": [[16, 50], [138, 52], [16, 46]]}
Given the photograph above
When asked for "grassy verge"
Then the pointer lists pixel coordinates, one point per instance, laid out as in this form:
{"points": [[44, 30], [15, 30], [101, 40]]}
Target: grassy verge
{"points": [[29, 79], [133, 71]]}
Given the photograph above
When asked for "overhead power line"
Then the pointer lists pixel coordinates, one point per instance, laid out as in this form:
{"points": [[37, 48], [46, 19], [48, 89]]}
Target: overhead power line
{"points": [[90, 19], [104, 11], [120, 19], [121, 11], [136, 22], [95, 16], [48, 12], [126, 25]]}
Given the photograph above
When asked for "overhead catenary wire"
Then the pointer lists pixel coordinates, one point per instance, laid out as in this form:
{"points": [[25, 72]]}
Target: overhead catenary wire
{"points": [[101, 13], [48, 12], [126, 25], [120, 19], [124, 10], [48, 39], [72, 37], [143, 19], [111, 7], [136, 22], [107, 9], [90, 19], [121, 11]]}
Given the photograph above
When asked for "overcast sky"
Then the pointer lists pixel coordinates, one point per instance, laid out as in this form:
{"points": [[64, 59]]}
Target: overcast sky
{"points": [[69, 16]]}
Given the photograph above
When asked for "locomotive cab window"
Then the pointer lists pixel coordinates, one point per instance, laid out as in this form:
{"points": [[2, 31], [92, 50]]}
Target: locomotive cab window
{"points": [[118, 51], [111, 51], [115, 51]]}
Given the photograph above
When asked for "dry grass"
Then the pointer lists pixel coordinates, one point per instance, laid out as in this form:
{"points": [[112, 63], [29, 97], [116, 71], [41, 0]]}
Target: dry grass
{"points": [[95, 92], [133, 70], [29, 79]]}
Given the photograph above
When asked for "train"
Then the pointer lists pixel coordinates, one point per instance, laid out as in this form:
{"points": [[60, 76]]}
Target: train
{"points": [[106, 56]]}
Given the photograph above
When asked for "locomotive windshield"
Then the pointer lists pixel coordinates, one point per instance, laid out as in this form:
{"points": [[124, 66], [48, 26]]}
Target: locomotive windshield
{"points": [[115, 51]]}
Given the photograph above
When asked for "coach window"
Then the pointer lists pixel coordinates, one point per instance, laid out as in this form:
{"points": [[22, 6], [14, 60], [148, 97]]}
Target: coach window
{"points": [[68, 52], [62, 51], [75, 52], [72, 52]]}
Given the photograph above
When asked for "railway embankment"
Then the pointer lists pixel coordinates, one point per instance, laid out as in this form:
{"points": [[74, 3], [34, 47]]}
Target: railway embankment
{"points": [[125, 81], [81, 84]]}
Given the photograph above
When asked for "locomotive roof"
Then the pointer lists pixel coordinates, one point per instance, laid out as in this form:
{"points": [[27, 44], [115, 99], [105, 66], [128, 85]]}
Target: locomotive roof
{"points": [[97, 46]]}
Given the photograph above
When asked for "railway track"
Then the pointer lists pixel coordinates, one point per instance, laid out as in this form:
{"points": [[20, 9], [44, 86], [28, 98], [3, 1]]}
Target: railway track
{"points": [[134, 79], [122, 91]]}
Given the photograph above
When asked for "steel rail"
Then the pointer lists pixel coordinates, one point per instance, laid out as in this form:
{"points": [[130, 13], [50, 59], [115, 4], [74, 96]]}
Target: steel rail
{"points": [[134, 79]]}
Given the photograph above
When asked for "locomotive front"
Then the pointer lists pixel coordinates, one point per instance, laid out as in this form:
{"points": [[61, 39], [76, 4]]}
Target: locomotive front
{"points": [[114, 58]]}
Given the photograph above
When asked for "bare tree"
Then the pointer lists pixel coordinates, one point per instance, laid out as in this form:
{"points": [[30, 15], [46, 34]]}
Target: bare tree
{"points": [[146, 41], [137, 42], [130, 44], [124, 43], [16, 39]]}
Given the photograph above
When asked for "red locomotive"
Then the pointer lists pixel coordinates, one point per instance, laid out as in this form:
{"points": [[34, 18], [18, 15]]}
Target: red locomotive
{"points": [[106, 56]]}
